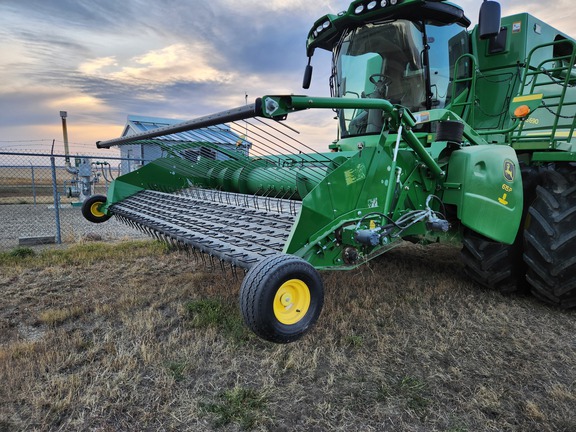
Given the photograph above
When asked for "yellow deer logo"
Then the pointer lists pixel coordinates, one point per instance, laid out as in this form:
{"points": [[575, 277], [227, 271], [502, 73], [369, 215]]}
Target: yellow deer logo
{"points": [[509, 170]]}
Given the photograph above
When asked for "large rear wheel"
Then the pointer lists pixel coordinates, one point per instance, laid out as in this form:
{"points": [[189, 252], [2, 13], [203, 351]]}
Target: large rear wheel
{"points": [[281, 298], [550, 246], [496, 265], [492, 264]]}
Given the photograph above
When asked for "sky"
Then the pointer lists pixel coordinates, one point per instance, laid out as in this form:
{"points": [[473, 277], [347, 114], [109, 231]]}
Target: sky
{"points": [[101, 60]]}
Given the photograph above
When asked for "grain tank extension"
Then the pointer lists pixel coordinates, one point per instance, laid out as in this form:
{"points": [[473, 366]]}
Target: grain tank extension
{"points": [[443, 132]]}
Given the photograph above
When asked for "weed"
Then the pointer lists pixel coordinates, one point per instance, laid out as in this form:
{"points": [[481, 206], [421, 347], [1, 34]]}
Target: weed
{"points": [[354, 341], [214, 313], [244, 406], [206, 313], [21, 252], [16, 255], [176, 369], [413, 390]]}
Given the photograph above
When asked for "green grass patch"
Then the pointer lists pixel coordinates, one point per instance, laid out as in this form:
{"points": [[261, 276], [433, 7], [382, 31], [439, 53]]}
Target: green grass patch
{"points": [[81, 254], [21, 252], [414, 391], [176, 369], [208, 313], [408, 391], [243, 406], [354, 341], [16, 256]]}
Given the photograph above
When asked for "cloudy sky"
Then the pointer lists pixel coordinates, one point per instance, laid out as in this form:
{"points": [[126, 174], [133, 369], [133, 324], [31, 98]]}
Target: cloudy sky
{"points": [[101, 60]]}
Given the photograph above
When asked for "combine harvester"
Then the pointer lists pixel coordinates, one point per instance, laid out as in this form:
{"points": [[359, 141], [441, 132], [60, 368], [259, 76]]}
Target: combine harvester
{"points": [[443, 132]]}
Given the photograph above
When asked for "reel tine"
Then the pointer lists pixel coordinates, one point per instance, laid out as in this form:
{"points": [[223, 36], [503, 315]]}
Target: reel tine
{"points": [[218, 228]]}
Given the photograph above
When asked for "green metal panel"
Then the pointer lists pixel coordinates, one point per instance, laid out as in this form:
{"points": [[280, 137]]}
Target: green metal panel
{"points": [[486, 185], [554, 157], [355, 189], [167, 174], [529, 52]]}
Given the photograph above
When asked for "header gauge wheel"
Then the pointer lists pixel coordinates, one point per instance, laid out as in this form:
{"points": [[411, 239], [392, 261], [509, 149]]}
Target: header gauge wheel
{"points": [[281, 298], [91, 209]]}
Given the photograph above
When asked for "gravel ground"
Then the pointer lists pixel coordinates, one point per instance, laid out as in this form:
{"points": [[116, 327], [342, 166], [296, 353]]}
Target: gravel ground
{"points": [[27, 220]]}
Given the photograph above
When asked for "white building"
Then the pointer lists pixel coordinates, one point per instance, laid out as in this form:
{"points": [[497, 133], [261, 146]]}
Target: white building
{"points": [[148, 150]]}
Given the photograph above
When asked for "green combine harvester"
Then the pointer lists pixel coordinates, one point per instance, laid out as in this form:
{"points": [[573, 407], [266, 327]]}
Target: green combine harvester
{"points": [[442, 133]]}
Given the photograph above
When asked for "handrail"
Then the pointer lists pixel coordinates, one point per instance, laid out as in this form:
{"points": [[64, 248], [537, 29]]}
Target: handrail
{"points": [[541, 76], [468, 104]]}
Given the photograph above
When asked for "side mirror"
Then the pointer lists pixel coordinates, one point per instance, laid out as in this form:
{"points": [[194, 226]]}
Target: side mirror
{"points": [[489, 19], [307, 76]]}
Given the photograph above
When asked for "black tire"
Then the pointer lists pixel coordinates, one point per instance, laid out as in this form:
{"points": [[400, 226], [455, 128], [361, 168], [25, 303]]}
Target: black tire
{"points": [[272, 288], [496, 265], [91, 209], [550, 238], [492, 264]]}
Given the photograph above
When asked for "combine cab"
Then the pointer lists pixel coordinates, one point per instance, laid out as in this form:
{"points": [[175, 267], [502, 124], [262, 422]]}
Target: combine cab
{"points": [[441, 132]]}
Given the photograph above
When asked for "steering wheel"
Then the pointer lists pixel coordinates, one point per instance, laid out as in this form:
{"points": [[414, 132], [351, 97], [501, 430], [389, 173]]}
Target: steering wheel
{"points": [[384, 80]]}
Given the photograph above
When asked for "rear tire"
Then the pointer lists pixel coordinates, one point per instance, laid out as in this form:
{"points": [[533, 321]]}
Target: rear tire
{"points": [[550, 238], [91, 209], [495, 265], [281, 298]]}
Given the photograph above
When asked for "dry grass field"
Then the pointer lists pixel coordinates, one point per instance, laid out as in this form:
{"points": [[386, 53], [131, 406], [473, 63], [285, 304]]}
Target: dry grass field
{"points": [[130, 336], [16, 185]]}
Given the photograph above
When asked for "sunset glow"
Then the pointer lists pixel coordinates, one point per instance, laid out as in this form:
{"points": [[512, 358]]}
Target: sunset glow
{"points": [[101, 62]]}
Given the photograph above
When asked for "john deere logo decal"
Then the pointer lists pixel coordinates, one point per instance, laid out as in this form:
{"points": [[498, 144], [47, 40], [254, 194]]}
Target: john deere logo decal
{"points": [[509, 170]]}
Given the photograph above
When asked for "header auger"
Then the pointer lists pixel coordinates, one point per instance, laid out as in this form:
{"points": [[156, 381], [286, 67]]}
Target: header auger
{"points": [[442, 132]]}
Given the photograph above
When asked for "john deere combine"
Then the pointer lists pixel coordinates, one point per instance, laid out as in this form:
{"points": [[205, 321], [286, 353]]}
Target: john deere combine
{"points": [[442, 132]]}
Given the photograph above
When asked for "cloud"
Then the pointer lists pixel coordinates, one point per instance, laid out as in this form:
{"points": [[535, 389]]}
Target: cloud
{"points": [[77, 102], [97, 66], [173, 63], [105, 59]]}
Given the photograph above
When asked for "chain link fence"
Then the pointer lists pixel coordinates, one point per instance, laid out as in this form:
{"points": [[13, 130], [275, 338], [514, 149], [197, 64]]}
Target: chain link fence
{"points": [[41, 197]]}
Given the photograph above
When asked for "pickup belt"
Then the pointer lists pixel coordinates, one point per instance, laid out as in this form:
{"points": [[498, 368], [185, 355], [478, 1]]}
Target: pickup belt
{"points": [[235, 228]]}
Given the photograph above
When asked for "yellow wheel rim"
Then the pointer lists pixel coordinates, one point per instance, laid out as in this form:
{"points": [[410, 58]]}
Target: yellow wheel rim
{"points": [[292, 301], [95, 209]]}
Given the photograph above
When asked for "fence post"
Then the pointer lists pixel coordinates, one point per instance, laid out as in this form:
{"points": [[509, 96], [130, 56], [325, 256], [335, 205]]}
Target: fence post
{"points": [[33, 184], [56, 198]]}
